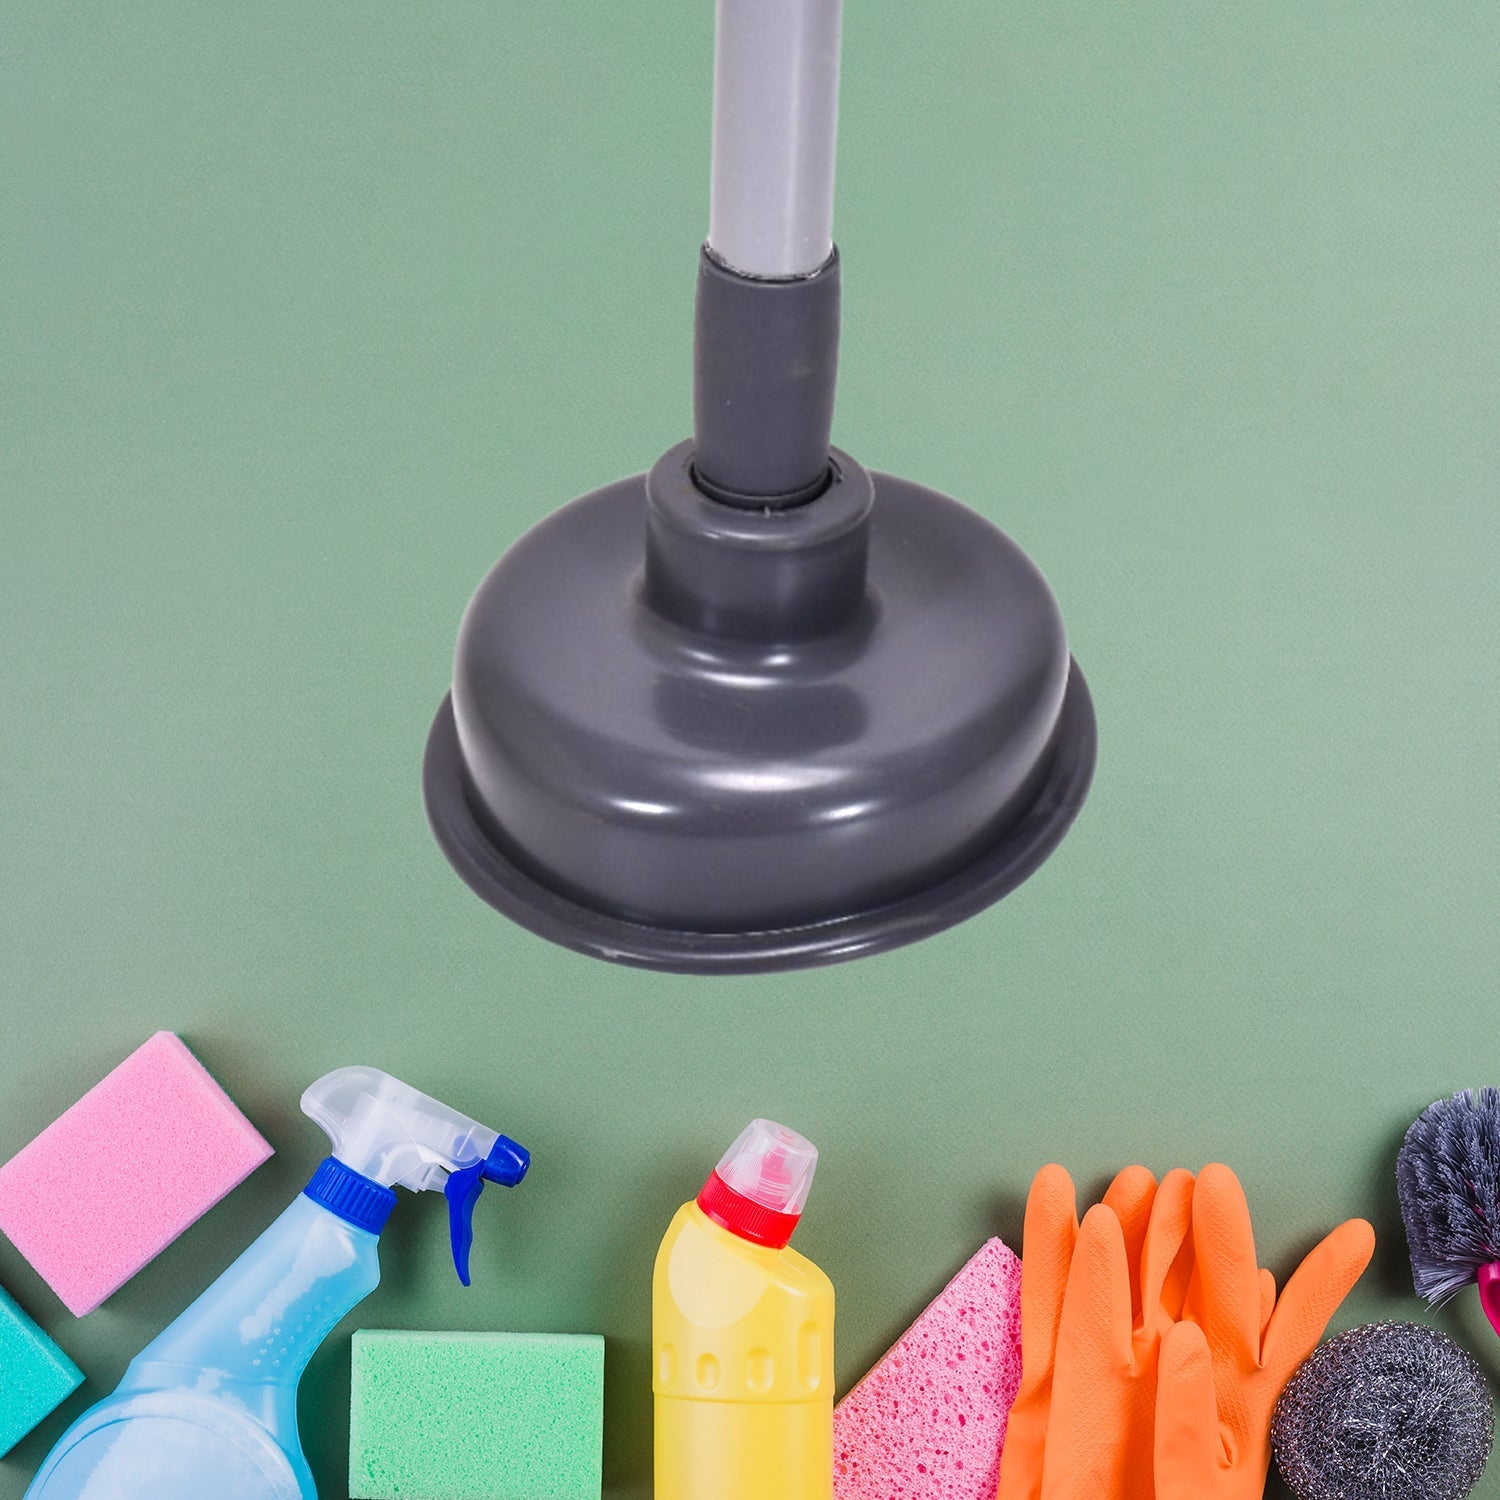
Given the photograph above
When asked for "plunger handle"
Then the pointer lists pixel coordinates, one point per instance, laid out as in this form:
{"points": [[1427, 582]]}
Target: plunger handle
{"points": [[776, 102], [766, 332]]}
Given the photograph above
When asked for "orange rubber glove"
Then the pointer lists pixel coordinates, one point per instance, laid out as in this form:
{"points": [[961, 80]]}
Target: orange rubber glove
{"points": [[1222, 1368], [1095, 1302]]}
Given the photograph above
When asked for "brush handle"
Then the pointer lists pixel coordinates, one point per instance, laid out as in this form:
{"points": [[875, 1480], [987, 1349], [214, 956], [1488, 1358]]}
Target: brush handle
{"points": [[1489, 1293]]}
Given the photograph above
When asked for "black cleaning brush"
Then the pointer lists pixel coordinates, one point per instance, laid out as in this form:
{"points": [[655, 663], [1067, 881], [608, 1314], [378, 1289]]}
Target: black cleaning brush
{"points": [[1448, 1180]]}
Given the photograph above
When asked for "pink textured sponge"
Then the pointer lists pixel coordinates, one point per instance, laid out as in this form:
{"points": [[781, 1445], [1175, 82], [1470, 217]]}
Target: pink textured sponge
{"points": [[112, 1182], [929, 1420]]}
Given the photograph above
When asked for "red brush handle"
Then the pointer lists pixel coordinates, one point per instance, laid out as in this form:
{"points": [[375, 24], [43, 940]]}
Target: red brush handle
{"points": [[1489, 1293]]}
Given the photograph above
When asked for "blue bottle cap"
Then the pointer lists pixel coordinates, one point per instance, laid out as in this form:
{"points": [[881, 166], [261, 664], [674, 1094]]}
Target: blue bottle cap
{"points": [[351, 1195]]}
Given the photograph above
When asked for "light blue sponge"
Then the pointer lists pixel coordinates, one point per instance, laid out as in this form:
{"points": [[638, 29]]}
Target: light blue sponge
{"points": [[35, 1375], [476, 1416]]}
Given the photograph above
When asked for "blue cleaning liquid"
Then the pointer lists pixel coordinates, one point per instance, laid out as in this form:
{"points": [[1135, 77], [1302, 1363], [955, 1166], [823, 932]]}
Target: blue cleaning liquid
{"points": [[208, 1410]]}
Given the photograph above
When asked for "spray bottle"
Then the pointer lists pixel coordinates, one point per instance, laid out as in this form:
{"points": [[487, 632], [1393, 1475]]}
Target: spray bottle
{"points": [[208, 1410], [743, 1334]]}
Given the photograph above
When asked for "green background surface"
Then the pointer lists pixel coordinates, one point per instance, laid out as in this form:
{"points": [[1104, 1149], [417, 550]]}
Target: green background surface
{"points": [[308, 310]]}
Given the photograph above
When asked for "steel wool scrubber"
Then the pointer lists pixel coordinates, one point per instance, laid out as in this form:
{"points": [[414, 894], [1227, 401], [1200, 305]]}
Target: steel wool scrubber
{"points": [[759, 708], [1389, 1411]]}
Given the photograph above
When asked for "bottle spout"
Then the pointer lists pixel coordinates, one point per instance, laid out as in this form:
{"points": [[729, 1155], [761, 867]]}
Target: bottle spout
{"points": [[759, 1189]]}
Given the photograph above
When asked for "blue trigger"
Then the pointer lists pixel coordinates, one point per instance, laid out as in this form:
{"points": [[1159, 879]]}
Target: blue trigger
{"points": [[506, 1164], [462, 1191]]}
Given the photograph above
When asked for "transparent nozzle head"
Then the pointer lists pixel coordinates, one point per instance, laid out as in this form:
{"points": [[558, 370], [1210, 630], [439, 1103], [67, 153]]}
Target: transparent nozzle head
{"points": [[392, 1133], [771, 1166]]}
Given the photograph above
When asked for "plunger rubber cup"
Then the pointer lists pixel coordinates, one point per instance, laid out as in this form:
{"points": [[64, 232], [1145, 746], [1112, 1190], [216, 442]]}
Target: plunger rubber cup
{"points": [[688, 736]]}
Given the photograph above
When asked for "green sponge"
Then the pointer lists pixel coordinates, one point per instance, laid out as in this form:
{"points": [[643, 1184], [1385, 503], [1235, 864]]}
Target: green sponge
{"points": [[35, 1375], [476, 1416]]}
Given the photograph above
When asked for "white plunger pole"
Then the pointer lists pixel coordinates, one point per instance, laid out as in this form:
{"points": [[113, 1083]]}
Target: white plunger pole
{"points": [[776, 100]]}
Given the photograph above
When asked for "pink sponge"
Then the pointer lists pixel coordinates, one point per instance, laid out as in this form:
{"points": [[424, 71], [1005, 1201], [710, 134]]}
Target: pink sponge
{"points": [[929, 1420], [112, 1182]]}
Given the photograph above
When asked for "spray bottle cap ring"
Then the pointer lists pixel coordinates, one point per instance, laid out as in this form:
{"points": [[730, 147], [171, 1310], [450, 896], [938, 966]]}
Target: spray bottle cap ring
{"points": [[351, 1196]]}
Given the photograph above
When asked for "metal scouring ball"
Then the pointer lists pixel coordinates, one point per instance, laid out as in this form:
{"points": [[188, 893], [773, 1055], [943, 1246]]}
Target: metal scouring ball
{"points": [[1389, 1411]]}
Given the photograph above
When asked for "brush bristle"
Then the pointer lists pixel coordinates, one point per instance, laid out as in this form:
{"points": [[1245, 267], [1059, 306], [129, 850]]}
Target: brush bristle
{"points": [[1448, 1180]]}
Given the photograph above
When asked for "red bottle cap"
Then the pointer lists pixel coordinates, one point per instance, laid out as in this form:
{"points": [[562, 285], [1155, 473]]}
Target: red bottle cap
{"points": [[759, 1189]]}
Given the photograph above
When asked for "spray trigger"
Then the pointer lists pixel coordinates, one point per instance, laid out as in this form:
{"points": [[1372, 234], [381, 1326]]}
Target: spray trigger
{"points": [[506, 1164]]}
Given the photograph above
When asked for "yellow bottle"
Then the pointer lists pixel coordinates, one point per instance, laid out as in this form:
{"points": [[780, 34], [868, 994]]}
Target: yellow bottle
{"points": [[742, 1335]]}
